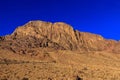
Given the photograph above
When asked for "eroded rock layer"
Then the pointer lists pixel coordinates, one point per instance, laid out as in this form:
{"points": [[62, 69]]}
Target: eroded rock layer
{"points": [[40, 34]]}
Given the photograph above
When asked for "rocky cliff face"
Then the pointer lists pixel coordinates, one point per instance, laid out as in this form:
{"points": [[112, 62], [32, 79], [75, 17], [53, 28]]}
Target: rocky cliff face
{"points": [[39, 34]]}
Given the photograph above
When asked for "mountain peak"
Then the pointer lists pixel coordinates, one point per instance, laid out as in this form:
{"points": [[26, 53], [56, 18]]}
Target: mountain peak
{"points": [[59, 35], [37, 27]]}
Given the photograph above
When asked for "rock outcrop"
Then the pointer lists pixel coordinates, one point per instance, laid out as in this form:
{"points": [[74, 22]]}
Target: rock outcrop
{"points": [[39, 34]]}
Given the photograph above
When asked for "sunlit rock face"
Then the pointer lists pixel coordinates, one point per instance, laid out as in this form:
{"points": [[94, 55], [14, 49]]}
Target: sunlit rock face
{"points": [[59, 35]]}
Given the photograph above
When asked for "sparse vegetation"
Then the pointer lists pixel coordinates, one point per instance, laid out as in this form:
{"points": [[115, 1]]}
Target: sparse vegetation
{"points": [[4, 79], [86, 66], [44, 53], [25, 78], [78, 78]]}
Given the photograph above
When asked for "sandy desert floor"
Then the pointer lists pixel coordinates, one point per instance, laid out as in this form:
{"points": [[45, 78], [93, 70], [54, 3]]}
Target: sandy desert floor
{"points": [[60, 65]]}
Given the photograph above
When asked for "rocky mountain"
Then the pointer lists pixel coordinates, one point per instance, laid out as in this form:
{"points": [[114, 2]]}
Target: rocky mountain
{"points": [[59, 35], [42, 50]]}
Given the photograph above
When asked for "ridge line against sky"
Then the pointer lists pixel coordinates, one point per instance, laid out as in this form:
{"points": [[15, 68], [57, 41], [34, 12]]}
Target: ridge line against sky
{"points": [[95, 16]]}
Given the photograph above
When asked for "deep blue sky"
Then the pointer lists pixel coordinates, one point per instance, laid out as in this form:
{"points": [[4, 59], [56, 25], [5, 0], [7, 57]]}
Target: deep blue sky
{"points": [[96, 16]]}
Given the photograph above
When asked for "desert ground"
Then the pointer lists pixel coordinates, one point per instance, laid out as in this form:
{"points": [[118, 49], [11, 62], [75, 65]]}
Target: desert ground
{"points": [[55, 51], [60, 65]]}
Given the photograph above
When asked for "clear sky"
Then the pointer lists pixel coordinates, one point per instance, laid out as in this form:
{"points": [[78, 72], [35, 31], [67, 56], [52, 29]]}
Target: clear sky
{"points": [[95, 16]]}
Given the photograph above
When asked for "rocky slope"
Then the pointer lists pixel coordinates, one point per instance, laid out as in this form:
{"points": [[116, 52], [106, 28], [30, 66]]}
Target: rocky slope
{"points": [[40, 34], [55, 51]]}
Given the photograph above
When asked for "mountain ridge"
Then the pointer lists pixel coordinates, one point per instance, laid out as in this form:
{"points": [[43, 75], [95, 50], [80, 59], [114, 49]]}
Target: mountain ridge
{"points": [[55, 51], [59, 35]]}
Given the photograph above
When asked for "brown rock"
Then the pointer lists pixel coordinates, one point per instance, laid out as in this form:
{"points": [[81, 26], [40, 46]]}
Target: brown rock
{"points": [[39, 34]]}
